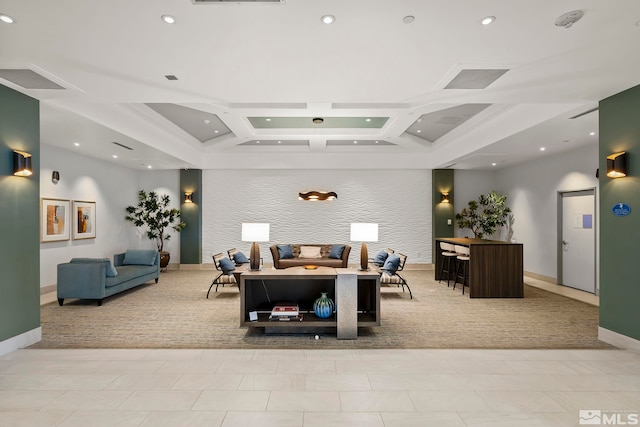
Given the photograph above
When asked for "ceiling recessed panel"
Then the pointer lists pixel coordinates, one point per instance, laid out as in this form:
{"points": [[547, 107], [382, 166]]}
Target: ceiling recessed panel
{"points": [[327, 122], [201, 125], [276, 142], [358, 142], [433, 125]]}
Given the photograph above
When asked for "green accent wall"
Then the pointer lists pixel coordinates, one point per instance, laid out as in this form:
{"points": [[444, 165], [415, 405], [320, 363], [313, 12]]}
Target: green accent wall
{"points": [[191, 236], [441, 182], [620, 236], [19, 216]]}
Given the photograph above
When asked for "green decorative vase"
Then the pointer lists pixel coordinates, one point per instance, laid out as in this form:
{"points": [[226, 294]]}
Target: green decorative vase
{"points": [[323, 306]]}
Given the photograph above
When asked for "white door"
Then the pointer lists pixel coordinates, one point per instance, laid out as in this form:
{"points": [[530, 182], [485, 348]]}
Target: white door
{"points": [[578, 240]]}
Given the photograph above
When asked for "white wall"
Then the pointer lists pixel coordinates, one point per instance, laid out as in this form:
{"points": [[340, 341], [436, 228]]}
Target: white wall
{"points": [[398, 200], [113, 188], [532, 190]]}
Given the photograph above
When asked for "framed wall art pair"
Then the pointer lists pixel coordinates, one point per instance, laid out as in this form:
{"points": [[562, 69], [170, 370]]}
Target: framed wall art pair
{"points": [[62, 219]]}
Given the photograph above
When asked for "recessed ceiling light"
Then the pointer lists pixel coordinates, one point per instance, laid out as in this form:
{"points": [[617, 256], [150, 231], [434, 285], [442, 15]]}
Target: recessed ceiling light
{"points": [[257, 142], [592, 133], [216, 131], [77, 144], [488, 20], [419, 120], [7, 19], [207, 121], [328, 19], [114, 156], [355, 142], [418, 131], [168, 19], [493, 164], [367, 120], [268, 120], [408, 19], [148, 166], [542, 148], [279, 142], [376, 142]]}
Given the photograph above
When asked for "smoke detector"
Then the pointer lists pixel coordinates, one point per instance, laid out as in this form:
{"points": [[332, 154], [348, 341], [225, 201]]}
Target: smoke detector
{"points": [[569, 18]]}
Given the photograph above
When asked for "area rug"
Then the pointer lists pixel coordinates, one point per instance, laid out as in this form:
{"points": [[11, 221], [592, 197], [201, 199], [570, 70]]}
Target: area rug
{"points": [[174, 313]]}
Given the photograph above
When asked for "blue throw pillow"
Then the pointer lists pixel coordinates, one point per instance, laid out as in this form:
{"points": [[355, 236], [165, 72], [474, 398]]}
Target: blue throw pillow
{"points": [[226, 265], [240, 258], [392, 263], [111, 270], [285, 251], [336, 251], [380, 258], [140, 257]]}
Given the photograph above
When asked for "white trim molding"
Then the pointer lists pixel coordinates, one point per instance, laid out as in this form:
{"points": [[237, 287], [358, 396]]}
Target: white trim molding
{"points": [[618, 340], [21, 341]]}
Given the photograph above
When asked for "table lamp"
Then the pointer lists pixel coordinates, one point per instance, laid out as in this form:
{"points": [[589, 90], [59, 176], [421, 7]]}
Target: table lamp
{"points": [[364, 232], [254, 233]]}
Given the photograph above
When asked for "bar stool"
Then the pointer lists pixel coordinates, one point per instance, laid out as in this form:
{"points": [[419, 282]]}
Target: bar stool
{"points": [[449, 254], [462, 268]]}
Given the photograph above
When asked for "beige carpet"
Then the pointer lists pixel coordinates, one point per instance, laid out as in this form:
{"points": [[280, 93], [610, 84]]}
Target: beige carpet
{"points": [[175, 314]]}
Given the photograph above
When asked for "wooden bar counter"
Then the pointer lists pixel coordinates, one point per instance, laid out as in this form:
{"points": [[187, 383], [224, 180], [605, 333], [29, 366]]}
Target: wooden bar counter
{"points": [[495, 267]]}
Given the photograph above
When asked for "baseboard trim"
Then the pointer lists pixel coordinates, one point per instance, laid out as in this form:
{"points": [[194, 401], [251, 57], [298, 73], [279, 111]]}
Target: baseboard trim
{"points": [[618, 340], [542, 277], [48, 289], [21, 341]]}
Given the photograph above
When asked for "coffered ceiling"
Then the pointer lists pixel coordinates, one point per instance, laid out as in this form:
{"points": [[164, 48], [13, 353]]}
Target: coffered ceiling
{"points": [[397, 84]]}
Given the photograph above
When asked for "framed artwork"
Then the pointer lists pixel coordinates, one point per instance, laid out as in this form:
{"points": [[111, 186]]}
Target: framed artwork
{"points": [[54, 220], [84, 220]]}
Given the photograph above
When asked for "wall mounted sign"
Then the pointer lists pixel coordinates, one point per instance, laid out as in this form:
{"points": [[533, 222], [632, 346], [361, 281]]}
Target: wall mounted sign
{"points": [[621, 209]]}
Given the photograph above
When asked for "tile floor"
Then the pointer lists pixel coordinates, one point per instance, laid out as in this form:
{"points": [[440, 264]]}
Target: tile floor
{"points": [[283, 388], [315, 387]]}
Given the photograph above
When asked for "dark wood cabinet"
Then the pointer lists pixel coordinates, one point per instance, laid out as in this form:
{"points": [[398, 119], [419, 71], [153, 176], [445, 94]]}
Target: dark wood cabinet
{"points": [[496, 268]]}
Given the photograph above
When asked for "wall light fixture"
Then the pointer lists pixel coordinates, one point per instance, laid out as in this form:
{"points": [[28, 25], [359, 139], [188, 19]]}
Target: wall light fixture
{"points": [[617, 165], [22, 163]]}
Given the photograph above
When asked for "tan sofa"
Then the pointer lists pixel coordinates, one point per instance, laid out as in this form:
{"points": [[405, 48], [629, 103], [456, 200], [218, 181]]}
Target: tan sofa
{"points": [[324, 260]]}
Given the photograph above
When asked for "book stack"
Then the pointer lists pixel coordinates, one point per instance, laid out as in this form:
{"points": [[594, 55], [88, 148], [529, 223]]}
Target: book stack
{"points": [[285, 312]]}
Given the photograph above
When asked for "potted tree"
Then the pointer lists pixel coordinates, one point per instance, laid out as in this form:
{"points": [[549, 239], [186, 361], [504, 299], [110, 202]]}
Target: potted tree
{"points": [[153, 212], [485, 215]]}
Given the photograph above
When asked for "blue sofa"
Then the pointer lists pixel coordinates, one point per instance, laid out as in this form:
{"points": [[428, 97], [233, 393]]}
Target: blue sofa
{"points": [[96, 278]]}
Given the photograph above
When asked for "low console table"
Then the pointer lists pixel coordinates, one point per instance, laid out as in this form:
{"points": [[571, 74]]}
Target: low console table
{"points": [[356, 295]]}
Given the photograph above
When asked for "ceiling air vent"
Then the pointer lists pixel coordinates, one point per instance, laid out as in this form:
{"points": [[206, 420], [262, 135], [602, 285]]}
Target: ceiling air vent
{"points": [[235, 1], [475, 79], [122, 145], [28, 79]]}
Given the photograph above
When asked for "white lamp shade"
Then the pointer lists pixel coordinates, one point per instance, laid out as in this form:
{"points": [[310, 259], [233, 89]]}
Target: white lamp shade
{"points": [[364, 232], [255, 232]]}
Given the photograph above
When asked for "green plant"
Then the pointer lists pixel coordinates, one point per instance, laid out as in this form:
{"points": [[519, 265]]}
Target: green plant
{"points": [[485, 215], [153, 212]]}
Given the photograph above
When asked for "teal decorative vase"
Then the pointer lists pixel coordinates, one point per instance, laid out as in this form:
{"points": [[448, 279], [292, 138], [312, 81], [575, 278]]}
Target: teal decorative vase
{"points": [[323, 306]]}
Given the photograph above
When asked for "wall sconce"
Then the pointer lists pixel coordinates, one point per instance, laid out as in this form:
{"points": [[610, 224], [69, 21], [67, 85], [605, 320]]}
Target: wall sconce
{"points": [[313, 196], [444, 197], [55, 177], [22, 163], [188, 197], [617, 165]]}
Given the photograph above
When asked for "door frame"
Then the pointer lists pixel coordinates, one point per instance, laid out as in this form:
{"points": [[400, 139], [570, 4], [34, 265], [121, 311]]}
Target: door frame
{"points": [[596, 222]]}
